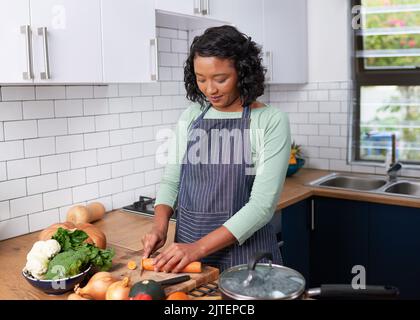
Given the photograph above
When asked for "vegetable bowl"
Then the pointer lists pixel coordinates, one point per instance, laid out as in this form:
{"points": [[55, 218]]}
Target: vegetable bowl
{"points": [[57, 265], [56, 287]]}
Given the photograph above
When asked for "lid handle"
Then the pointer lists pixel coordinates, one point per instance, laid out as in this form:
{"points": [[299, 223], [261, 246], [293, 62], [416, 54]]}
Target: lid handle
{"points": [[257, 257]]}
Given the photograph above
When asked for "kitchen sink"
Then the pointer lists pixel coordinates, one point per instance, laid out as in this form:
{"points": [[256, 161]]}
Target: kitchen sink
{"points": [[404, 187], [369, 183], [356, 183]]}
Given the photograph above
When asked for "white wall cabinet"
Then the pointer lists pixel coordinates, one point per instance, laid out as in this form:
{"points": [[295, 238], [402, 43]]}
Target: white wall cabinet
{"points": [[246, 15], [286, 41], [50, 41], [108, 41], [129, 41], [15, 39], [69, 49], [190, 7], [279, 26]]}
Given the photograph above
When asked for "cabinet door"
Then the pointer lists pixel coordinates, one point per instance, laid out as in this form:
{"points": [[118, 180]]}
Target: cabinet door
{"points": [[246, 15], [394, 248], [295, 234], [179, 6], [73, 30], [129, 41], [285, 41], [14, 53], [339, 240]]}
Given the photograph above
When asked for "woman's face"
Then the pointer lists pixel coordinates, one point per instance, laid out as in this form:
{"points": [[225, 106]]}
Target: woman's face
{"points": [[217, 79]]}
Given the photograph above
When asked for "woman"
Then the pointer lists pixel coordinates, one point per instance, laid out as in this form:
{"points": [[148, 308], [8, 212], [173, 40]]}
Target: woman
{"points": [[226, 193]]}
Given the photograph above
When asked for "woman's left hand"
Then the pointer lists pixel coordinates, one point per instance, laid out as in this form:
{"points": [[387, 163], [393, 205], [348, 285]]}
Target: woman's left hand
{"points": [[177, 256]]}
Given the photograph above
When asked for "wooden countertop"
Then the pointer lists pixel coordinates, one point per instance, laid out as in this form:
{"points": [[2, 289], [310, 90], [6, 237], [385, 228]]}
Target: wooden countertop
{"points": [[295, 190], [124, 230]]}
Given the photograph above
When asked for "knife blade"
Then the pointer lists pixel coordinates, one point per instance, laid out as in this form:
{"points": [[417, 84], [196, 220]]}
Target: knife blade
{"points": [[141, 267]]}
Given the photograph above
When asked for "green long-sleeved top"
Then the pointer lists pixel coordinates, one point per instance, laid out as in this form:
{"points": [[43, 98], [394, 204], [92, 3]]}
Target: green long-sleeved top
{"points": [[270, 146]]}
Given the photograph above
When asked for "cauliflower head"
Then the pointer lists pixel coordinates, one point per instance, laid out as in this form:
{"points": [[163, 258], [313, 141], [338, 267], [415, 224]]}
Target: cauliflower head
{"points": [[38, 257]]}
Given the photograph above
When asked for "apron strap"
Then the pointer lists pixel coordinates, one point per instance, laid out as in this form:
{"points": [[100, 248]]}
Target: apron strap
{"points": [[200, 117], [246, 114]]}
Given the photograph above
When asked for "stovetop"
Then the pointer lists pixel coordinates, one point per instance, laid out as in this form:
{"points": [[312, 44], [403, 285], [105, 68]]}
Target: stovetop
{"points": [[144, 206]]}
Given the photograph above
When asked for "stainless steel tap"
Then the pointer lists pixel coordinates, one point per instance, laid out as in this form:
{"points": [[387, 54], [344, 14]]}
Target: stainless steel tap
{"points": [[395, 166]]}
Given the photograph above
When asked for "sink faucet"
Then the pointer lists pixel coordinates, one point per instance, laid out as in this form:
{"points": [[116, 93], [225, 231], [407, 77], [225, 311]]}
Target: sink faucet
{"points": [[395, 166], [393, 171]]}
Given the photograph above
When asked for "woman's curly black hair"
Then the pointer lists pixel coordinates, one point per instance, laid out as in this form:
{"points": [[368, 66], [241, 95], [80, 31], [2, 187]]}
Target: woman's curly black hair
{"points": [[228, 43]]}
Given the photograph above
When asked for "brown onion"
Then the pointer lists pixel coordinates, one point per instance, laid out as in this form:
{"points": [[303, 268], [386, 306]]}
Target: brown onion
{"points": [[97, 286], [119, 290]]}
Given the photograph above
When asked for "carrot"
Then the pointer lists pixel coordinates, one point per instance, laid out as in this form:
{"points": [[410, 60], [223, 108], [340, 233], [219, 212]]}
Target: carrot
{"points": [[131, 265], [193, 267]]}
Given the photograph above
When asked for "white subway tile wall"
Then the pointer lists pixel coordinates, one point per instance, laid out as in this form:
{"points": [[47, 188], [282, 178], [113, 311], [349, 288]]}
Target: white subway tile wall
{"points": [[67, 145], [318, 120]]}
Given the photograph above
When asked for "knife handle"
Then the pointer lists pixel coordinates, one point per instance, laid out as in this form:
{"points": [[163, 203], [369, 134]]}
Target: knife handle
{"points": [[174, 280]]}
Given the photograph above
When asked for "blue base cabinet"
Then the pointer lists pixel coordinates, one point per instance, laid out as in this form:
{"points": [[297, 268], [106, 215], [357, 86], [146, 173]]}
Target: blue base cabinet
{"points": [[295, 236], [339, 240], [324, 238], [394, 248]]}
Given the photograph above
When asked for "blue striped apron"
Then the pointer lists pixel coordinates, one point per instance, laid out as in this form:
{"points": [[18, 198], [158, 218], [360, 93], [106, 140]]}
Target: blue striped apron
{"points": [[211, 192]]}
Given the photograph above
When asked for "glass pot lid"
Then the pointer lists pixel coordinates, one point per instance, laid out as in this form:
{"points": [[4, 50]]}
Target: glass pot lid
{"points": [[261, 281]]}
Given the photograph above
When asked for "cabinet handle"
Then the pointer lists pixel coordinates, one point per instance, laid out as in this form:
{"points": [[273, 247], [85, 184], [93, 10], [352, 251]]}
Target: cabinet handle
{"points": [[28, 74], [154, 73], [197, 7], [269, 57], [312, 214], [43, 32], [206, 9]]}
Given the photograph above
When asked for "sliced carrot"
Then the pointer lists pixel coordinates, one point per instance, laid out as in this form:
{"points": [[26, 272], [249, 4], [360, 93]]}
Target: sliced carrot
{"points": [[193, 267], [131, 265]]}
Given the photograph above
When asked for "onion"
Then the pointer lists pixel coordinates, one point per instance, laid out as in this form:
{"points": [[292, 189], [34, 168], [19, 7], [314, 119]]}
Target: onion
{"points": [[97, 286], [119, 290]]}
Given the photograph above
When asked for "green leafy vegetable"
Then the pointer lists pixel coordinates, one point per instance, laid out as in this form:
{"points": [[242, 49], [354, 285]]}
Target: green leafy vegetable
{"points": [[69, 239], [67, 264], [75, 255]]}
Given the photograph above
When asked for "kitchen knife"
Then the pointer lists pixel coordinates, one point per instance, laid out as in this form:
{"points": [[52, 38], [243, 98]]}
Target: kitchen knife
{"points": [[141, 267], [174, 280]]}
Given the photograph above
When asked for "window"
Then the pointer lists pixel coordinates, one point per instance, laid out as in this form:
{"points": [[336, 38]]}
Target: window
{"points": [[387, 79]]}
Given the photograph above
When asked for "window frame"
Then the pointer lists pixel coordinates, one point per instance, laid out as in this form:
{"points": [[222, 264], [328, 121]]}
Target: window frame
{"points": [[362, 77]]}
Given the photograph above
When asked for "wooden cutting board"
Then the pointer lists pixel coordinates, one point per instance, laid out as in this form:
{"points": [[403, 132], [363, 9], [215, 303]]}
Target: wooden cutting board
{"points": [[120, 270]]}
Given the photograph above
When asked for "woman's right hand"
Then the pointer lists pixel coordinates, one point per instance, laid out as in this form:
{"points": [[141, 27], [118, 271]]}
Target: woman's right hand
{"points": [[153, 241]]}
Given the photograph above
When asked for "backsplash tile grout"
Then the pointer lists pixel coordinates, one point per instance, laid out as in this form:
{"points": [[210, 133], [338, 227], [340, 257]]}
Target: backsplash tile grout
{"points": [[98, 142], [65, 132]]}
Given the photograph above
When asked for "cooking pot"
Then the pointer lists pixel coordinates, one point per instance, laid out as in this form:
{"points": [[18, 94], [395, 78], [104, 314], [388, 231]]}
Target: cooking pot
{"points": [[268, 281]]}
